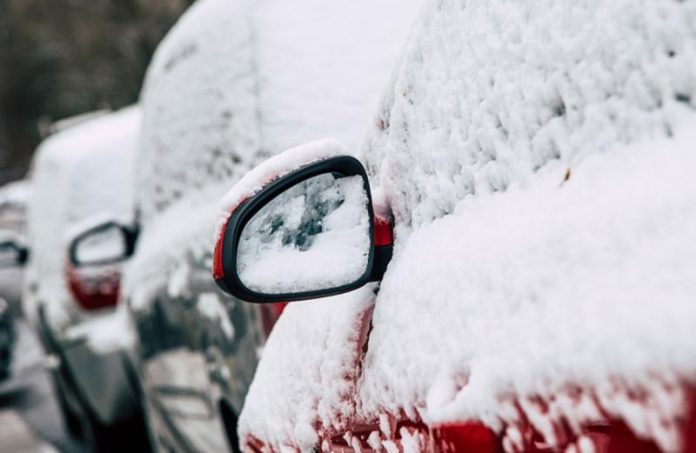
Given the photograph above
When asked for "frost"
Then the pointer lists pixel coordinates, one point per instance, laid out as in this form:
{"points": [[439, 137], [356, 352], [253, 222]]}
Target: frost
{"points": [[314, 236]]}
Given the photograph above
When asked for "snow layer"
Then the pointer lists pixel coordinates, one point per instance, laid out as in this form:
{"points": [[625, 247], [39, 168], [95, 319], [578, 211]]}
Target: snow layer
{"points": [[314, 236], [82, 172], [321, 65], [200, 106], [523, 292], [311, 376], [14, 195], [529, 291], [179, 236], [490, 91]]}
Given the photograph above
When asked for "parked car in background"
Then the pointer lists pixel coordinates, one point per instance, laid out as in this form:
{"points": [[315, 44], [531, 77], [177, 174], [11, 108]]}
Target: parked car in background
{"points": [[536, 159], [13, 256], [13, 201], [232, 83], [83, 176]]}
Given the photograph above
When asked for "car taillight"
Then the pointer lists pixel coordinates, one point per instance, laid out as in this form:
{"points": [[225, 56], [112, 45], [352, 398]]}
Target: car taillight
{"points": [[94, 290]]}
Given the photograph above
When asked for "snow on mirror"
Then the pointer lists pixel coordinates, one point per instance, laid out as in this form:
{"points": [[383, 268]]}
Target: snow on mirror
{"points": [[313, 236], [104, 245]]}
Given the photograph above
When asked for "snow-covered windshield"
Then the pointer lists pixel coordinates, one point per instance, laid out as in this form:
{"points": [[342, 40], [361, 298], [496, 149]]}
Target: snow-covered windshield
{"points": [[314, 236]]}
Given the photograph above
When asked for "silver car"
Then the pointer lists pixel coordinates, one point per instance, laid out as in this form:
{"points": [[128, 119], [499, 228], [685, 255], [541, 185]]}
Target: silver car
{"points": [[82, 176]]}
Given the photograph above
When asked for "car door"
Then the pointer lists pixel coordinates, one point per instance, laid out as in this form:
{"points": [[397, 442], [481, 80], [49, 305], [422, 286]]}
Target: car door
{"points": [[174, 366], [199, 350]]}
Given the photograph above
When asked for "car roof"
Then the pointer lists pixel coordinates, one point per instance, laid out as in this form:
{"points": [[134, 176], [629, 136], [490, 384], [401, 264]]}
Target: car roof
{"points": [[237, 81]]}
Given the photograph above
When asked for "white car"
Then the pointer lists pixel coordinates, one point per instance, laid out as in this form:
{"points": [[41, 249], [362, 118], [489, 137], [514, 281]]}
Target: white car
{"points": [[82, 176], [233, 83]]}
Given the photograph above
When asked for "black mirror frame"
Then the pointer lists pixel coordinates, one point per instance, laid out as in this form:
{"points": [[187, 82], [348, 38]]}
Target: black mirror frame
{"points": [[230, 281], [22, 251], [130, 236]]}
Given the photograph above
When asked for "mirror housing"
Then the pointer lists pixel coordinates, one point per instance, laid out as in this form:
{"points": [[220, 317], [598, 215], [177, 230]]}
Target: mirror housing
{"points": [[226, 266], [128, 236], [13, 252]]}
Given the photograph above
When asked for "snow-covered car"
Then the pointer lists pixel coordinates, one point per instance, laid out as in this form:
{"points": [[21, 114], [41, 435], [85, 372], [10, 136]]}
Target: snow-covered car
{"points": [[82, 177], [536, 159], [233, 83], [13, 201]]}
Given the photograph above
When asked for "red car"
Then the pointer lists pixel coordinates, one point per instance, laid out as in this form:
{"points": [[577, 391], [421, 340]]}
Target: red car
{"points": [[533, 164]]}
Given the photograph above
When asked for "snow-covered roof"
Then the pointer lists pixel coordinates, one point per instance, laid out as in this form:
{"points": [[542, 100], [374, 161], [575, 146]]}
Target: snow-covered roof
{"points": [[322, 65], [80, 173], [237, 81], [537, 158], [199, 106]]}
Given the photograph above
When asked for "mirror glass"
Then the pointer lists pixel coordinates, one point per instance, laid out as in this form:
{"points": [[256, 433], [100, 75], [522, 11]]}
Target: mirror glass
{"points": [[314, 236], [103, 245], [9, 254]]}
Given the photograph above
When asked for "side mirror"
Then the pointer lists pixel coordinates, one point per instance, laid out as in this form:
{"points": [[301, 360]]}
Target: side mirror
{"points": [[310, 233], [107, 243], [13, 252]]}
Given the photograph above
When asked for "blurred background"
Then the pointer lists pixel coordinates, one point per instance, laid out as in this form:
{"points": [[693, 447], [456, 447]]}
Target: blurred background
{"points": [[61, 58], [58, 59]]}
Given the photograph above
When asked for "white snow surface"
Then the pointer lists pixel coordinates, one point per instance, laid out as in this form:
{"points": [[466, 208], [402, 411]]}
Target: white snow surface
{"points": [[15, 194], [177, 237], [314, 236], [505, 279], [105, 333], [237, 81], [490, 91], [311, 375], [322, 65], [78, 174], [200, 106], [533, 289]]}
